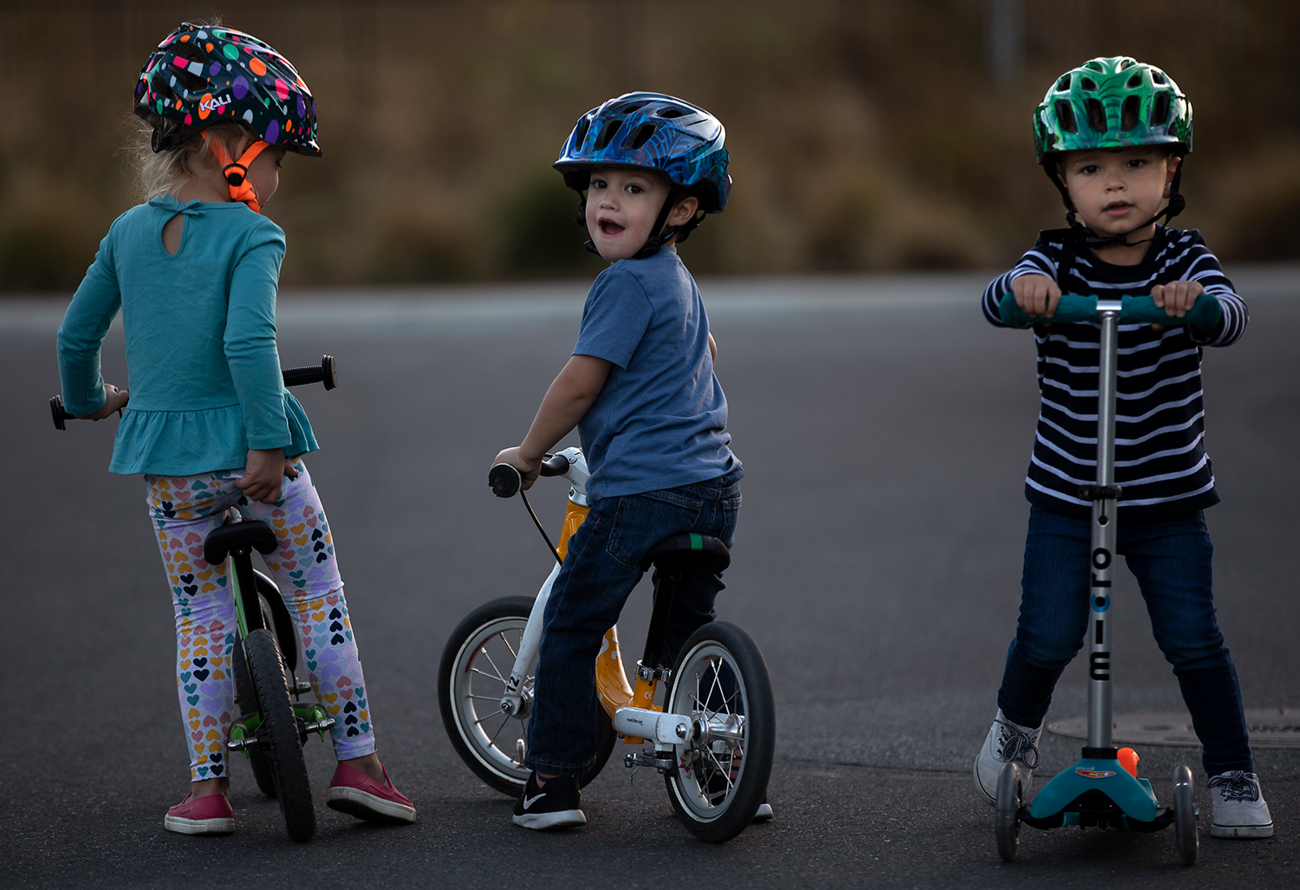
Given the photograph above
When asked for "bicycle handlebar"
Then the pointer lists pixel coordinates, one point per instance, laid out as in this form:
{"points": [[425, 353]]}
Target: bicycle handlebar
{"points": [[1205, 312], [505, 480], [326, 373]]}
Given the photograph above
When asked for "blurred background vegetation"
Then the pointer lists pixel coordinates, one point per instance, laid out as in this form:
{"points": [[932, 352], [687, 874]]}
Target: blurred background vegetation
{"points": [[865, 134]]}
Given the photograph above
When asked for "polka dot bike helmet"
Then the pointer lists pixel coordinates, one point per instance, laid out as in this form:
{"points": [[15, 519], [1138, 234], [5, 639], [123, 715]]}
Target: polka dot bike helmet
{"points": [[653, 131], [201, 75], [1114, 102]]}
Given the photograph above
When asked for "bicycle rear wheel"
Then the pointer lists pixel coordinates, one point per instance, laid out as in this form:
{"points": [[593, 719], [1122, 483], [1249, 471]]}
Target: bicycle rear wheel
{"points": [[279, 736], [472, 677], [721, 680]]}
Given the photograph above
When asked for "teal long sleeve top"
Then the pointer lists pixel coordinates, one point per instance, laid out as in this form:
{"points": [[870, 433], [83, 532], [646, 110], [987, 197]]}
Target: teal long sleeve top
{"points": [[203, 369]]}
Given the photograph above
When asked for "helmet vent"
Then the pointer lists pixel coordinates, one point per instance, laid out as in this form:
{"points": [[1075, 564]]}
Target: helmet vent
{"points": [[1065, 114], [640, 136], [1063, 85], [1096, 114], [163, 90], [1160, 109], [1158, 76], [1129, 114], [1088, 84], [671, 113], [628, 107], [188, 78], [1135, 81], [580, 134], [607, 135], [1093, 65]]}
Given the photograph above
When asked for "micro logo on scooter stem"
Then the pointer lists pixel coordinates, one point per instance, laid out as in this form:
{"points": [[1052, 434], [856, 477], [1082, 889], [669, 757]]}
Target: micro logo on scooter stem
{"points": [[1095, 773]]}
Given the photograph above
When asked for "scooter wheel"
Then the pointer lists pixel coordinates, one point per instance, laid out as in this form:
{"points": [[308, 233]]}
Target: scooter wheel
{"points": [[1006, 811], [1185, 816]]}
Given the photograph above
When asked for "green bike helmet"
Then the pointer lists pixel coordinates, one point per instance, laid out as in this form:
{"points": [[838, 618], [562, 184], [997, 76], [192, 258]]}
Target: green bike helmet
{"points": [[1115, 102], [1112, 103]]}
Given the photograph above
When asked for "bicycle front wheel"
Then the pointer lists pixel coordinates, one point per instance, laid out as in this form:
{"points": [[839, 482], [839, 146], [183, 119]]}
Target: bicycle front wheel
{"points": [[278, 735], [720, 779], [472, 677]]}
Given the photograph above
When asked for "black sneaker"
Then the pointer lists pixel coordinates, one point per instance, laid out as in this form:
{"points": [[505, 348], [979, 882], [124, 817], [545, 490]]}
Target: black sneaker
{"points": [[558, 805]]}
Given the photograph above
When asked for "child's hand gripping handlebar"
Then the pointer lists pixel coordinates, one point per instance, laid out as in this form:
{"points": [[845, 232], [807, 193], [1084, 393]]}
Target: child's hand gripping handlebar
{"points": [[1205, 312], [505, 479], [325, 373]]}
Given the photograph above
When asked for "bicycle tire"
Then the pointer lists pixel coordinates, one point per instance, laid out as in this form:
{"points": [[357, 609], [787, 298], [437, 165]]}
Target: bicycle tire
{"points": [[279, 736], [718, 785], [472, 676], [246, 699]]}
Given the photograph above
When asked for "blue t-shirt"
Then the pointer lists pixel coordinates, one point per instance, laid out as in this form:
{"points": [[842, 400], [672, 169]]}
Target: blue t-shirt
{"points": [[660, 419]]}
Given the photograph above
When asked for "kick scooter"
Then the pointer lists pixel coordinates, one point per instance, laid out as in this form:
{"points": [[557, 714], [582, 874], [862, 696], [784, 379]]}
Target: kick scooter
{"points": [[712, 736], [272, 727], [1098, 790]]}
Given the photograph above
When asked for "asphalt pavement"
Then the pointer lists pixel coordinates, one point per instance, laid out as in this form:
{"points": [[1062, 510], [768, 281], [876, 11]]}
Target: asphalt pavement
{"points": [[885, 430]]}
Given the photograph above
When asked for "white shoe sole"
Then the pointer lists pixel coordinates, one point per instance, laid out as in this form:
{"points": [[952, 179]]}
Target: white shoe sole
{"points": [[198, 826], [1241, 831], [990, 799], [547, 821], [363, 805]]}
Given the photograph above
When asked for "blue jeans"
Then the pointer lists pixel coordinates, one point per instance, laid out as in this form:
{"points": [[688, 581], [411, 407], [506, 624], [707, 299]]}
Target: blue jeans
{"points": [[602, 566], [1171, 560]]}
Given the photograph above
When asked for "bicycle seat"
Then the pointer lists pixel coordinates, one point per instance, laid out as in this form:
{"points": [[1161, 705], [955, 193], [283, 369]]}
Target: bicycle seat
{"points": [[249, 533], [688, 554]]}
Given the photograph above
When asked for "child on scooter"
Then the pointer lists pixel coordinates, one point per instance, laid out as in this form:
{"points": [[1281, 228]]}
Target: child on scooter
{"points": [[652, 417], [1112, 136], [195, 271]]}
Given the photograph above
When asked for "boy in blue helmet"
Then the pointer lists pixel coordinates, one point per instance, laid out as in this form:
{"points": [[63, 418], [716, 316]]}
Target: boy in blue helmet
{"points": [[1112, 134], [649, 410]]}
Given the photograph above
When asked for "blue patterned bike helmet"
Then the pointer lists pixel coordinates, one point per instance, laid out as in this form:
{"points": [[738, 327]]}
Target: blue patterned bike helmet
{"points": [[652, 131]]}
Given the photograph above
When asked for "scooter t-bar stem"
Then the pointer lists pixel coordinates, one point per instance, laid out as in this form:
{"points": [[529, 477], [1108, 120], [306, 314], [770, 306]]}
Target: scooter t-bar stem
{"points": [[1104, 496]]}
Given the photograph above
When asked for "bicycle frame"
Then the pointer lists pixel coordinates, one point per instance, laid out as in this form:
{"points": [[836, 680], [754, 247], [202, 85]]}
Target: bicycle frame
{"points": [[244, 585], [611, 680]]}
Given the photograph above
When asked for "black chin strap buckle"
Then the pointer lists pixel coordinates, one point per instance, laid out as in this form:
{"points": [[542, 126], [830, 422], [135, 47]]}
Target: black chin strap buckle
{"points": [[235, 174]]}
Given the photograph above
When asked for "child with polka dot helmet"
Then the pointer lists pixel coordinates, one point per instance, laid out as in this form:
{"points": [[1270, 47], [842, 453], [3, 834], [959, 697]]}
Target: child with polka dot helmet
{"points": [[194, 271]]}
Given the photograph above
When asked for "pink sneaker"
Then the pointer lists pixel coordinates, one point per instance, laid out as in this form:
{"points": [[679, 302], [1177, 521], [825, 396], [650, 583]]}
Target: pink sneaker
{"points": [[210, 814], [355, 793]]}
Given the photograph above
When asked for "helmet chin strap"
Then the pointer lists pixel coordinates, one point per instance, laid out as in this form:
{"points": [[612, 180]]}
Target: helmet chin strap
{"points": [[236, 172], [1177, 203]]}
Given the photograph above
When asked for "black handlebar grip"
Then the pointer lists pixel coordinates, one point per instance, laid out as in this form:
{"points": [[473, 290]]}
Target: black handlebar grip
{"points": [[504, 480], [60, 416], [326, 372]]}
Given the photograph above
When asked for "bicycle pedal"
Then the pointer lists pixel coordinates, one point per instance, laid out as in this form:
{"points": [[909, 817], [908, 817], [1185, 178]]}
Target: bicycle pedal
{"points": [[301, 688]]}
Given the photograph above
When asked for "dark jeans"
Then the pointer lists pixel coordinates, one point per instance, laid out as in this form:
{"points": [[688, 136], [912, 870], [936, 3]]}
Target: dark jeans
{"points": [[601, 568], [1171, 560]]}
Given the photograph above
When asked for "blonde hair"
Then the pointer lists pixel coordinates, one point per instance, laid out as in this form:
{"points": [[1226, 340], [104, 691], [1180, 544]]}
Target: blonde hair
{"points": [[161, 173]]}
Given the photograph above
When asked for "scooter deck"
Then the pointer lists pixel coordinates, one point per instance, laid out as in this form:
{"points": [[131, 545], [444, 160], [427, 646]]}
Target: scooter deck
{"points": [[1097, 792]]}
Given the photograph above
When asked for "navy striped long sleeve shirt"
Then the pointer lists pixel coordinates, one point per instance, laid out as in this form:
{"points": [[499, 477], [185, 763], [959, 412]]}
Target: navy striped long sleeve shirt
{"points": [[1160, 457]]}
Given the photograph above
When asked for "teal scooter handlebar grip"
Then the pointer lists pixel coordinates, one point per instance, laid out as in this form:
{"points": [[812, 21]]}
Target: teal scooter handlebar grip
{"points": [[1205, 313], [1072, 307]]}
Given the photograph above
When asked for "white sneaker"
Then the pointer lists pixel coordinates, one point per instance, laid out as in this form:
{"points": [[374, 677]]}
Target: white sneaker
{"points": [[1005, 742], [1239, 808]]}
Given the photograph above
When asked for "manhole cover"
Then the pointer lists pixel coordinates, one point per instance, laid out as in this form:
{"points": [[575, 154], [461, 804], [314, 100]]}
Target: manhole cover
{"points": [[1269, 728]]}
